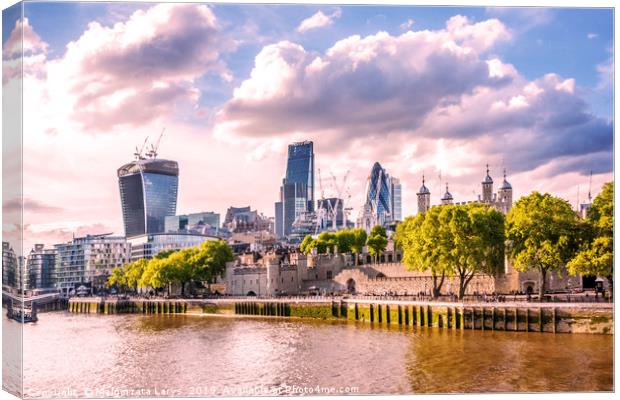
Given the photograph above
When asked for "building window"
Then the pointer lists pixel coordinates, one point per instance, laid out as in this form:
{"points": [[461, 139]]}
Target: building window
{"points": [[329, 274]]}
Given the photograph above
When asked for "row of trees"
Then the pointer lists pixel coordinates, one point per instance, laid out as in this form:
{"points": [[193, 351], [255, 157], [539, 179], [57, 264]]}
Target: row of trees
{"points": [[541, 233], [459, 240], [194, 264], [347, 241]]}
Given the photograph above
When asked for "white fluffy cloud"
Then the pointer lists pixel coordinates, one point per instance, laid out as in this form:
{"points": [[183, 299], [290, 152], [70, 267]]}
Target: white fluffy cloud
{"points": [[136, 71], [318, 20], [422, 84]]}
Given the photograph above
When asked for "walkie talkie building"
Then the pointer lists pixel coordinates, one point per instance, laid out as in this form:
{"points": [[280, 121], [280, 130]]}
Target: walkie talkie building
{"points": [[148, 190]]}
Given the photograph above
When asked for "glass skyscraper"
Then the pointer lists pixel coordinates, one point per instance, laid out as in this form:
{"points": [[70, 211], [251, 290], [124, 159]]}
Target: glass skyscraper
{"points": [[297, 190], [148, 190], [383, 199]]}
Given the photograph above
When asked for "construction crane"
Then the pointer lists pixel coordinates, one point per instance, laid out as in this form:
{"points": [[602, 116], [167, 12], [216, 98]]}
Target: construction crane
{"points": [[153, 152], [320, 212], [138, 152], [590, 189], [339, 199]]}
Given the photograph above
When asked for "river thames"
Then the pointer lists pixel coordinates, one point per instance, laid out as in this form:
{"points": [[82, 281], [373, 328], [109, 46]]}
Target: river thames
{"points": [[72, 355]]}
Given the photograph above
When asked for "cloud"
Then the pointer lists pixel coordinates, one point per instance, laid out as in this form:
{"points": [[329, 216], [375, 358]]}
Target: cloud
{"points": [[30, 205], [23, 40], [417, 86], [407, 24], [592, 35], [138, 70], [318, 20]]}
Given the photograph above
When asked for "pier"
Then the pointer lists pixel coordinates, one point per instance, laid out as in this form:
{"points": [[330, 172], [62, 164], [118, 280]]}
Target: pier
{"points": [[512, 317]]}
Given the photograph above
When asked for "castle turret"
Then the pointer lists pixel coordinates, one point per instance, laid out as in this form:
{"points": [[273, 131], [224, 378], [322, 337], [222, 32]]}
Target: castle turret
{"points": [[505, 195], [487, 188], [447, 197], [424, 198]]}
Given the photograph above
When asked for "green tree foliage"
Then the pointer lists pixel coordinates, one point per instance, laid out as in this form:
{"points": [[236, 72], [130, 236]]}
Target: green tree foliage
{"points": [[183, 267], [346, 241], [377, 241], [542, 233], [208, 261], [359, 241], [425, 246], [117, 278], [307, 244], [474, 238], [596, 254]]}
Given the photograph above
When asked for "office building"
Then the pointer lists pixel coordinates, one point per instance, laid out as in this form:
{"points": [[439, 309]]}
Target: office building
{"points": [[148, 189], [244, 219], [147, 246], [89, 260], [383, 204], [297, 190], [191, 222], [10, 267], [40, 268]]}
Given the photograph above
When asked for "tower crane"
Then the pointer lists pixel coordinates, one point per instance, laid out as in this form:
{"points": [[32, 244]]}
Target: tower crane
{"points": [[153, 152], [339, 198], [138, 152]]}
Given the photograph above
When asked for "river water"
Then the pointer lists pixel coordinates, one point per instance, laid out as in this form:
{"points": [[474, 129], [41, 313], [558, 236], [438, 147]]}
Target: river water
{"points": [[73, 355]]}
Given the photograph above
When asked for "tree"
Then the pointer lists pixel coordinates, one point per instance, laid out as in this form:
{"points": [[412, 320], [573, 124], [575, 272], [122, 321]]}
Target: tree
{"points": [[344, 240], [596, 254], [324, 242], [359, 241], [307, 244], [424, 247], [133, 272], [377, 241], [473, 241], [541, 231], [117, 278], [209, 260]]}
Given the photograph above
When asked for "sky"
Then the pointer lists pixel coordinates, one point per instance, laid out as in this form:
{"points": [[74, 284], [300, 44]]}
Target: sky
{"points": [[433, 91]]}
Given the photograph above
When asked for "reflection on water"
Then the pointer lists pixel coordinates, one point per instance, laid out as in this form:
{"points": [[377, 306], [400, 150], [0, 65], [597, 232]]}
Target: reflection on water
{"points": [[74, 355]]}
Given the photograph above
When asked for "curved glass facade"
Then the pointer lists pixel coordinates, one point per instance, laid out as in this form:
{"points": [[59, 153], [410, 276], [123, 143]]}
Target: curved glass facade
{"points": [[148, 191], [378, 196]]}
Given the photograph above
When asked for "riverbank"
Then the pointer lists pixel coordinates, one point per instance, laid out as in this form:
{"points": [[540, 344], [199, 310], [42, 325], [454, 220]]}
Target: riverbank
{"points": [[519, 317]]}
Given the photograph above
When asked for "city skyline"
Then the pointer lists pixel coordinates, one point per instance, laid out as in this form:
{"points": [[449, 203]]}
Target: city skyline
{"points": [[409, 92]]}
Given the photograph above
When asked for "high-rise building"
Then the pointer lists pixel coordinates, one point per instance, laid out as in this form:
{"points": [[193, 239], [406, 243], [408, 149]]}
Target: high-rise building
{"points": [[148, 189], [397, 199], [10, 268], [383, 199], [243, 219], [147, 246], [297, 190], [89, 260], [300, 168], [40, 268], [192, 222]]}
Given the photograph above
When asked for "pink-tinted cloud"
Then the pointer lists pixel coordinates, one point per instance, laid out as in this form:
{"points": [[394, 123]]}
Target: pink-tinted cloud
{"points": [[142, 69], [423, 84], [23, 40]]}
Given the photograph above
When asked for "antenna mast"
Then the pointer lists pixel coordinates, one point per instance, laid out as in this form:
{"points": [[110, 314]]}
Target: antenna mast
{"points": [[590, 189]]}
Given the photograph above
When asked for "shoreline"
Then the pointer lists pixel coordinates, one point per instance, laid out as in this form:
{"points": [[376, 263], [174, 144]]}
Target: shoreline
{"points": [[592, 318]]}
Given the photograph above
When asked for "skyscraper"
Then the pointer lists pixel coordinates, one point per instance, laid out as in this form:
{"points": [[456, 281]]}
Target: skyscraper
{"points": [[297, 190], [383, 199], [397, 199], [300, 168], [148, 189]]}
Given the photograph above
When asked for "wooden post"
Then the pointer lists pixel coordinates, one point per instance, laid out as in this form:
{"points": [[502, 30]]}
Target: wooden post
{"points": [[516, 318], [554, 319], [493, 318], [540, 318], [482, 319], [527, 319], [505, 327]]}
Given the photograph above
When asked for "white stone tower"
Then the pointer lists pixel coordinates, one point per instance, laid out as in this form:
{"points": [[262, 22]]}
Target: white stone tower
{"points": [[447, 197], [487, 188], [505, 195], [424, 198]]}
